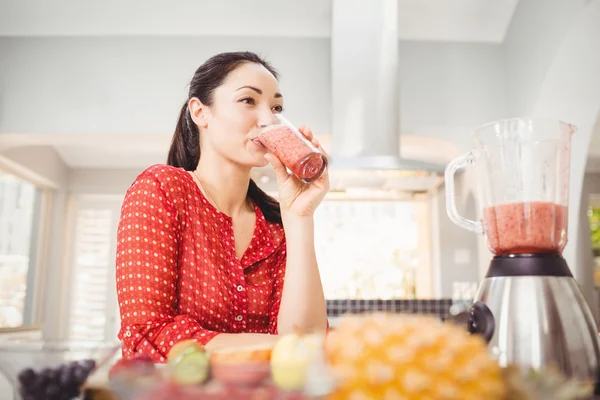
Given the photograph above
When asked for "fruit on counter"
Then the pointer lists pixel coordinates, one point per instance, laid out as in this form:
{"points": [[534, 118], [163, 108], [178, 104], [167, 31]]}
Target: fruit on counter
{"points": [[188, 362], [215, 391], [292, 357], [133, 375], [391, 356], [185, 346], [136, 366], [99, 394], [190, 368], [243, 365], [63, 381]]}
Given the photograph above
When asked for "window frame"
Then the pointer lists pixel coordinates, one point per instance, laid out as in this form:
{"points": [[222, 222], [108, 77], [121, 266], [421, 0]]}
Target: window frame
{"points": [[100, 201], [427, 285], [33, 307]]}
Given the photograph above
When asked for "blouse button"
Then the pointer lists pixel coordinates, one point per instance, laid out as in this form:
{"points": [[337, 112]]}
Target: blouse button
{"points": [[128, 333], [240, 288], [239, 318]]}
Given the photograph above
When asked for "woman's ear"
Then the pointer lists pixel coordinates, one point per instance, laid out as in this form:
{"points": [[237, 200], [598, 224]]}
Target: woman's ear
{"points": [[198, 112]]}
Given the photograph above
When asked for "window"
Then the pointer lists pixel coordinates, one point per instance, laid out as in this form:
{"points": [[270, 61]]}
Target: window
{"points": [[367, 249], [20, 206], [92, 302], [372, 249]]}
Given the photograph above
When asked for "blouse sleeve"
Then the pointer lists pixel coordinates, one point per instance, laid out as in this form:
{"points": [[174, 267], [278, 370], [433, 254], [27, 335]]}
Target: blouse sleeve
{"points": [[147, 274]]}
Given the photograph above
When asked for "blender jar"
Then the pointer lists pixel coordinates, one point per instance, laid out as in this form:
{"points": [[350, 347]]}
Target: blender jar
{"points": [[522, 172], [296, 152]]}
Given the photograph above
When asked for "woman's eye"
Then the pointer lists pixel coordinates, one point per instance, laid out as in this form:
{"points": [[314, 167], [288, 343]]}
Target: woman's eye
{"points": [[248, 100], [278, 109]]}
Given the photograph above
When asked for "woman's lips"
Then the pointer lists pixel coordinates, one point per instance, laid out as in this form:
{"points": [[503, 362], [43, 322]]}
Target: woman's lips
{"points": [[257, 142]]}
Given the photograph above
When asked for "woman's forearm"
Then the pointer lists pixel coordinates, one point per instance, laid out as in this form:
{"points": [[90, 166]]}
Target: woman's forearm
{"points": [[302, 299], [228, 340]]}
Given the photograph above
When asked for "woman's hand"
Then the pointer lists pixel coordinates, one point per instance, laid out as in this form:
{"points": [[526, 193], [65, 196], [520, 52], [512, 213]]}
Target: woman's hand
{"points": [[296, 197]]}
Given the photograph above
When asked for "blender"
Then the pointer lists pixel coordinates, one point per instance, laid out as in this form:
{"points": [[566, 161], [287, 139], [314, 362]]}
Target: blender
{"points": [[528, 307]]}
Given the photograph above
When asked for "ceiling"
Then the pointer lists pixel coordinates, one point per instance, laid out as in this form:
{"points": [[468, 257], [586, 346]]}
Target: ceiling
{"points": [[434, 20], [427, 20], [484, 21]]}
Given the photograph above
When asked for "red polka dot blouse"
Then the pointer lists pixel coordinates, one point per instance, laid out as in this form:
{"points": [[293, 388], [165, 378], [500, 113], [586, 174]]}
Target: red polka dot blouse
{"points": [[178, 276]]}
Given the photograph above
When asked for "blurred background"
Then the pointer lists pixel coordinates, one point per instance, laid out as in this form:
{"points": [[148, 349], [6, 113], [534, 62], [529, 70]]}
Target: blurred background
{"points": [[90, 93]]}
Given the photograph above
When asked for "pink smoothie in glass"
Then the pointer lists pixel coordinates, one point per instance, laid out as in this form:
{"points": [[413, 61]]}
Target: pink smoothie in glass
{"points": [[528, 227], [296, 153]]}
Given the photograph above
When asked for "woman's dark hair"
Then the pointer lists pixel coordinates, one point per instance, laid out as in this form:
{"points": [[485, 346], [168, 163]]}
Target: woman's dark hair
{"points": [[185, 146]]}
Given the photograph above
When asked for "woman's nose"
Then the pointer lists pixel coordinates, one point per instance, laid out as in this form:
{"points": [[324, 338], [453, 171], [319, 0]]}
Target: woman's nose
{"points": [[267, 119]]}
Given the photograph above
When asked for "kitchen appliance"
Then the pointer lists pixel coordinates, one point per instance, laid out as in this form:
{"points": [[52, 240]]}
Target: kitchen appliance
{"points": [[529, 307]]}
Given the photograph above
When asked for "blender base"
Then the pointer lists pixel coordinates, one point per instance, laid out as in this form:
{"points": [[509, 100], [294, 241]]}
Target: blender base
{"points": [[532, 313]]}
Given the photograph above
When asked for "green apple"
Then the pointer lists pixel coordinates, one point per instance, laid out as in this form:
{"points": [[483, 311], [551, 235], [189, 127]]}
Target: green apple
{"points": [[190, 368], [185, 346], [292, 357], [188, 362]]}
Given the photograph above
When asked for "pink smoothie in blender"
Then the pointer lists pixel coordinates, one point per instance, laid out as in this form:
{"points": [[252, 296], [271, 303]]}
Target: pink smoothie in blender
{"points": [[529, 307], [523, 180], [526, 227]]}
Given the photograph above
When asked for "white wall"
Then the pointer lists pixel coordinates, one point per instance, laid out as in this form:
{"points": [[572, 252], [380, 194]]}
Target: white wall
{"points": [[137, 85], [571, 91], [458, 257], [447, 89], [42, 164], [534, 36], [101, 181]]}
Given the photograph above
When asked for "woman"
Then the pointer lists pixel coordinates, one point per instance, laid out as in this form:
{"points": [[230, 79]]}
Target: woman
{"points": [[203, 253]]}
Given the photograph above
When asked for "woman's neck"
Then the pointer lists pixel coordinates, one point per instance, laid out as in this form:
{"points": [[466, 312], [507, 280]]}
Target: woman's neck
{"points": [[225, 184]]}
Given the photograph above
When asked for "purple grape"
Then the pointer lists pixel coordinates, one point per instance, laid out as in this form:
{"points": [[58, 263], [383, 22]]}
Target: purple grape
{"points": [[79, 375], [46, 373], [88, 365], [65, 378], [27, 376], [39, 381], [62, 382], [53, 374], [32, 393], [24, 391], [52, 390]]}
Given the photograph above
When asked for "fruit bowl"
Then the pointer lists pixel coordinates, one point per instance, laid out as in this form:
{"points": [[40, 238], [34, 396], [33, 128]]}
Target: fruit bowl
{"points": [[247, 372], [223, 381], [52, 369]]}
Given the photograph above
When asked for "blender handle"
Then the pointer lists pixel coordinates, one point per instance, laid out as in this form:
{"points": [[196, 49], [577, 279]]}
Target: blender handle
{"points": [[454, 165]]}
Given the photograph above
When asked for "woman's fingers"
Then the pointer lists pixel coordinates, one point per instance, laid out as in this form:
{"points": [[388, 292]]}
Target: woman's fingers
{"points": [[280, 172], [306, 132]]}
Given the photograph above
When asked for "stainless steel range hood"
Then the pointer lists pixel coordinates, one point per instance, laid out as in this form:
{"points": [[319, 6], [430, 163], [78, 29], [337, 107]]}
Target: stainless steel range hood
{"points": [[366, 101]]}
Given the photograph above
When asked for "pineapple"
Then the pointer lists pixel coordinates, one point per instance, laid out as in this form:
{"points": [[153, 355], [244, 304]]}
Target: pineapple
{"points": [[402, 357]]}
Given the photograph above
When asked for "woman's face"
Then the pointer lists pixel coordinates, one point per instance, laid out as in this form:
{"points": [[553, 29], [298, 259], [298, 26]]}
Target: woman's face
{"points": [[245, 101]]}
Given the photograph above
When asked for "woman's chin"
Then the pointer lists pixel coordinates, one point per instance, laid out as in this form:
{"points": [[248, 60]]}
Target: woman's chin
{"points": [[261, 163], [258, 162]]}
